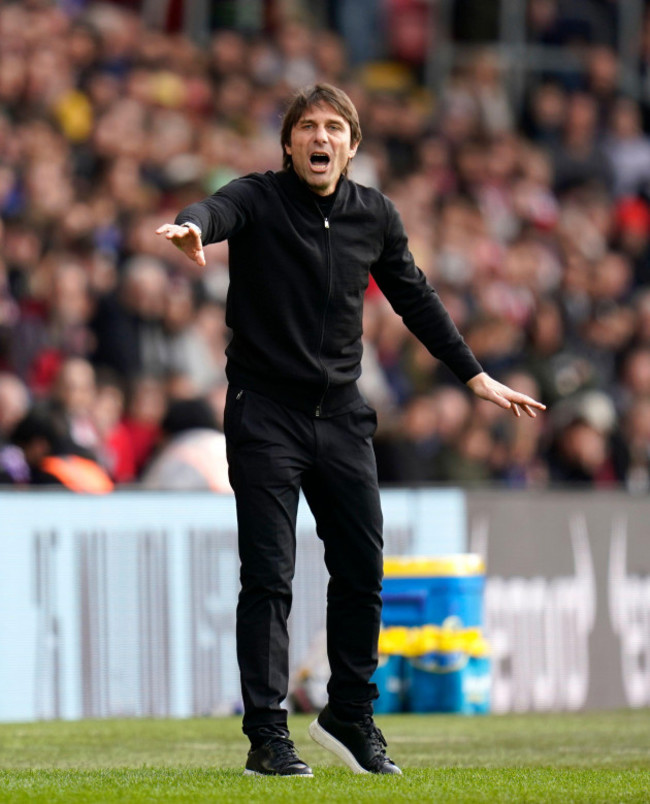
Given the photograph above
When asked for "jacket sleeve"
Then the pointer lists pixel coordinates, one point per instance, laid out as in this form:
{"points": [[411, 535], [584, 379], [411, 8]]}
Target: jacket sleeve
{"points": [[223, 214], [420, 307]]}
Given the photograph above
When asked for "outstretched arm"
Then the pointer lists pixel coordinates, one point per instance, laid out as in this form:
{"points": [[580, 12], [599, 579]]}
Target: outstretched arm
{"points": [[488, 388], [217, 217], [185, 238]]}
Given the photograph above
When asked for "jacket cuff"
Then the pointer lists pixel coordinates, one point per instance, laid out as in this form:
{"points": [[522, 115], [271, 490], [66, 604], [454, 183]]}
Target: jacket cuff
{"points": [[192, 226]]}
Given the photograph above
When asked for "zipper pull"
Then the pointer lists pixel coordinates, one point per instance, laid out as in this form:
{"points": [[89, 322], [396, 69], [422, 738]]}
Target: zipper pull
{"points": [[327, 223], [317, 411]]}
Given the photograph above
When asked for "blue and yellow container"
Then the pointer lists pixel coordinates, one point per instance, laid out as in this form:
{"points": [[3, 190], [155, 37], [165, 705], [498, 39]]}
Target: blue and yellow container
{"points": [[389, 675], [435, 670], [447, 670], [477, 680], [427, 591]]}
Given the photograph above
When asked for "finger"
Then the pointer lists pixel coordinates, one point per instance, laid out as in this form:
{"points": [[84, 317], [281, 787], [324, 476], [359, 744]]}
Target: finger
{"points": [[164, 228], [515, 409], [529, 411], [533, 403], [200, 259], [523, 400], [501, 401]]}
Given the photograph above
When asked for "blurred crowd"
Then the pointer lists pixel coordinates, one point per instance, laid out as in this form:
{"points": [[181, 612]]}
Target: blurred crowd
{"points": [[532, 222]]}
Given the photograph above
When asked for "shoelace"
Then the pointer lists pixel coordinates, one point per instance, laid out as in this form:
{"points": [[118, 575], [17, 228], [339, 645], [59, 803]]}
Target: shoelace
{"points": [[374, 735], [284, 750]]}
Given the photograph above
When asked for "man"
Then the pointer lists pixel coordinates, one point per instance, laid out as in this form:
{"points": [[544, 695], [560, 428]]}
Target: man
{"points": [[302, 242]]}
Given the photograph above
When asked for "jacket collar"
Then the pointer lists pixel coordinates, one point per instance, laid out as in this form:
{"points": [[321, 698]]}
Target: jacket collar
{"points": [[293, 185]]}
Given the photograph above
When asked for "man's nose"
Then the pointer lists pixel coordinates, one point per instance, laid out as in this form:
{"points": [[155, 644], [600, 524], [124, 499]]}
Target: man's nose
{"points": [[321, 134]]}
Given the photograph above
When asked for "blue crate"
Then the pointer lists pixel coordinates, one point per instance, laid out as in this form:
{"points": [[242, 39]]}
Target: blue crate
{"points": [[435, 681], [389, 678], [477, 685], [429, 591]]}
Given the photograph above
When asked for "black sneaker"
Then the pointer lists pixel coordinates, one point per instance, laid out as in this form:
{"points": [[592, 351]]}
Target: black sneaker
{"points": [[358, 743], [276, 757]]}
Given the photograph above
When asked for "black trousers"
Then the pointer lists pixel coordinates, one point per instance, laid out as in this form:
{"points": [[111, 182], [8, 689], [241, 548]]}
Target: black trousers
{"points": [[273, 452]]}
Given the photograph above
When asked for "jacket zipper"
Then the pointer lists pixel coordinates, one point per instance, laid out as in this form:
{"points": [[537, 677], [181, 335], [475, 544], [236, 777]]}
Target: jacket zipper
{"points": [[326, 225]]}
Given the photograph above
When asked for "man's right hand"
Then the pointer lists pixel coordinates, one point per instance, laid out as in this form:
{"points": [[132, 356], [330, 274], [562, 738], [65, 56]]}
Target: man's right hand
{"points": [[186, 239]]}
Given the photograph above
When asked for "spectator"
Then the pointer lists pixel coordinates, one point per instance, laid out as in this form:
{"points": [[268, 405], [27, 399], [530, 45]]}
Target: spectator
{"points": [[631, 235], [55, 321], [516, 457], [410, 455], [558, 370], [634, 446], [14, 403], [579, 159], [546, 114], [581, 449], [635, 373], [627, 148], [115, 449], [535, 233], [602, 81], [129, 326], [494, 105], [42, 443], [145, 408], [198, 339], [191, 454]]}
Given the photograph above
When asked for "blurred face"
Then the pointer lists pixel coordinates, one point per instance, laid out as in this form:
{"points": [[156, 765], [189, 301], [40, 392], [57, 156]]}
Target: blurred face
{"points": [[581, 117], [70, 300], [146, 292], [149, 401], [14, 402], [626, 119], [76, 386], [107, 408], [321, 148], [584, 446]]}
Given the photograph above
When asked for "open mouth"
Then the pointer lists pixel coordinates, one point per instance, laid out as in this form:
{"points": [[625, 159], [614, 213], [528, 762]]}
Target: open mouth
{"points": [[319, 161]]}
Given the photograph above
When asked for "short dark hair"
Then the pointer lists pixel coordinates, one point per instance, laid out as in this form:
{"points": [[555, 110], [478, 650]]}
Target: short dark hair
{"points": [[311, 96]]}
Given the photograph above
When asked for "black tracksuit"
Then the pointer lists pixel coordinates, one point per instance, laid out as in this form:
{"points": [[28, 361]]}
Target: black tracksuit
{"points": [[295, 418]]}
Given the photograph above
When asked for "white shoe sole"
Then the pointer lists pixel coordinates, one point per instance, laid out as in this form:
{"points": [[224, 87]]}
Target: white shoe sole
{"points": [[279, 775], [325, 740]]}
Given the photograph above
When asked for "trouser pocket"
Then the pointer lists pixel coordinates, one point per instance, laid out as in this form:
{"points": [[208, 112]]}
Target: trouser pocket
{"points": [[233, 413]]}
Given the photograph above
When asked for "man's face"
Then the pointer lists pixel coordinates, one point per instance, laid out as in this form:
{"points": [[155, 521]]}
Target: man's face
{"points": [[321, 147]]}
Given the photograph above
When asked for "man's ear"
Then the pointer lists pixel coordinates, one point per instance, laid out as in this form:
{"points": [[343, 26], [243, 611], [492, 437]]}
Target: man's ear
{"points": [[287, 149]]}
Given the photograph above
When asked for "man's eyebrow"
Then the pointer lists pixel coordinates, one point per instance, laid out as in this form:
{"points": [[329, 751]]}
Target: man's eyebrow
{"points": [[337, 120]]}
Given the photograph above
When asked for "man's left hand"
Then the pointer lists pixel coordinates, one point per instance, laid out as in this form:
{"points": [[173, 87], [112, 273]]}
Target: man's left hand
{"points": [[488, 388]]}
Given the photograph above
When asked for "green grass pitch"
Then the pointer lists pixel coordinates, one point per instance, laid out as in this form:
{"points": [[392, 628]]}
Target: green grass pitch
{"points": [[595, 757]]}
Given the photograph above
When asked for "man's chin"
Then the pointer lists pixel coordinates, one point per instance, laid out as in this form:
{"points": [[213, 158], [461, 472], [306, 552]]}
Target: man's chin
{"points": [[319, 185]]}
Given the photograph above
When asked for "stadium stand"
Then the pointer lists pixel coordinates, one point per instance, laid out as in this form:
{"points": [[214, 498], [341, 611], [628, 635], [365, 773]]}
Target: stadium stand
{"points": [[525, 194]]}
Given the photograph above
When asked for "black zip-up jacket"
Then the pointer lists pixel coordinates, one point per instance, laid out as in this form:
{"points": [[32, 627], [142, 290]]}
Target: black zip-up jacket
{"points": [[297, 283]]}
